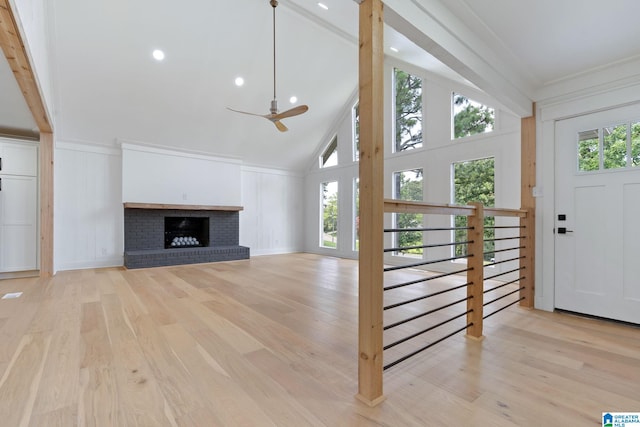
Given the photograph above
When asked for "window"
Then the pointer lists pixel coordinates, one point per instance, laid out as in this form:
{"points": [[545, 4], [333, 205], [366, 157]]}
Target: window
{"points": [[356, 214], [408, 111], [470, 117], [330, 155], [610, 147], [356, 132], [588, 150], [329, 229], [635, 144], [615, 147], [408, 186], [474, 181]]}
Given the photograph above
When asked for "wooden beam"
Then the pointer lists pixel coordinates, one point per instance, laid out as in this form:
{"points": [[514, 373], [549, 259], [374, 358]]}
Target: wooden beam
{"points": [[165, 206], [475, 276], [433, 27], [16, 54], [528, 204], [371, 86], [46, 204]]}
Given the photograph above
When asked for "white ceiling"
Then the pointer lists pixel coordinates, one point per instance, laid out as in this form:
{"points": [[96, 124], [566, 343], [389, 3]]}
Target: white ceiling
{"points": [[15, 116], [108, 87]]}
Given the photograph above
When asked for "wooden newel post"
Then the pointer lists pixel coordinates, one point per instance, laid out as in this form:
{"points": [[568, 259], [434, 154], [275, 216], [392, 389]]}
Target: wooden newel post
{"points": [[475, 275], [528, 203], [527, 284], [370, 280]]}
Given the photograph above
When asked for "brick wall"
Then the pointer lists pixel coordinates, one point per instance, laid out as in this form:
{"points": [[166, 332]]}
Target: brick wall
{"points": [[144, 238]]}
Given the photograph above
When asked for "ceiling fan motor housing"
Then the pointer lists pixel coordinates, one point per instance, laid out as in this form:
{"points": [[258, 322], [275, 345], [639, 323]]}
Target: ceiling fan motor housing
{"points": [[274, 107]]}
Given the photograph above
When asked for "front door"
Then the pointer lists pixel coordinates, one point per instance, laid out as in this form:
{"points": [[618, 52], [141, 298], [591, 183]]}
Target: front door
{"points": [[597, 218]]}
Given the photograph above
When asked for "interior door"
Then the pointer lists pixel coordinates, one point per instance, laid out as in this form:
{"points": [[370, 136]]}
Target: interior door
{"points": [[597, 223]]}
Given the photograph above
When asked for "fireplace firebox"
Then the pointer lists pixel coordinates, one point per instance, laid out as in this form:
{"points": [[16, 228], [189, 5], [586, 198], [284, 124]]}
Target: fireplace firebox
{"points": [[186, 232]]}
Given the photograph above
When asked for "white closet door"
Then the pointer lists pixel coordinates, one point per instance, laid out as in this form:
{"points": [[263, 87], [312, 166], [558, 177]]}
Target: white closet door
{"points": [[18, 159], [18, 223]]}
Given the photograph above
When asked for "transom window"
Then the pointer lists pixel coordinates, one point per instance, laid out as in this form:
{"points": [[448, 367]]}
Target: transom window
{"points": [[470, 117], [610, 147], [330, 155]]}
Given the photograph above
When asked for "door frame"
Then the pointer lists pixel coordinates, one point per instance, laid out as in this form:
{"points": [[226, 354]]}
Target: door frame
{"points": [[548, 113]]}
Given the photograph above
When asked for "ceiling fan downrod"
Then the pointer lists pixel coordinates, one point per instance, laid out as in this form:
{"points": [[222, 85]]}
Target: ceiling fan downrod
{"points": [[274, 103]]}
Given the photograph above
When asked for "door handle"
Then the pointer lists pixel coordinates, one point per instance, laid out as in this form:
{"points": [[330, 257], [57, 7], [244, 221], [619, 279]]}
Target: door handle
{"points": [[563, 230]]}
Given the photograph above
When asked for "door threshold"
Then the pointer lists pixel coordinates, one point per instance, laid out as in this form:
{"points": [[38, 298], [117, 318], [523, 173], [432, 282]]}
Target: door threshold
{"points": [[591, 316]]}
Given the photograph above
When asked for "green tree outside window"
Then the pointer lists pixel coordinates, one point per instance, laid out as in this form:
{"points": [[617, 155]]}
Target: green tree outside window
{"points": [[470, 117], [408, 111], [474, 181]]}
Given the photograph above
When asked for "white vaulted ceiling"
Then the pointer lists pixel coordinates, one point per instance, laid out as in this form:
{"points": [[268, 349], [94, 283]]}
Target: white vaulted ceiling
{"points": [[107, 87], [110, 87]]}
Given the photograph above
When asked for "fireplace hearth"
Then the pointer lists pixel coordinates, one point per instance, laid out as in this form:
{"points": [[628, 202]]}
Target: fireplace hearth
{"points": [[162, 235]]}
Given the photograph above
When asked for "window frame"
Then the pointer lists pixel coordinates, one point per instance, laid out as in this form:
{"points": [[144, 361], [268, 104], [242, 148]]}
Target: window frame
{"points": [[394, 121], [474, 103], [330, 150]]}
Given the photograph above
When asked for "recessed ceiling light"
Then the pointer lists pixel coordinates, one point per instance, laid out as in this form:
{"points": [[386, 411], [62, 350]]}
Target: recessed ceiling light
{"points": [[239, 81], [394, 49], [158, 55], [293, 99], [323, 6]]}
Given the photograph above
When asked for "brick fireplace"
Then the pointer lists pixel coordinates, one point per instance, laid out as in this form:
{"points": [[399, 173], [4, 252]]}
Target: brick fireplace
{"points": [[158, 234]]}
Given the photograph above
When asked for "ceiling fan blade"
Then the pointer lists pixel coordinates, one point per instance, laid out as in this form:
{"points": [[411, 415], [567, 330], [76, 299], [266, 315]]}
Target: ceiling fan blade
{"points": [[251, 114], [281, 127], [292, 112]]}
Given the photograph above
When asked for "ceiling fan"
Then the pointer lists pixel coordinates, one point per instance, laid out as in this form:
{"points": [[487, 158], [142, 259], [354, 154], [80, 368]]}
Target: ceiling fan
{"points": [[274, 116]]}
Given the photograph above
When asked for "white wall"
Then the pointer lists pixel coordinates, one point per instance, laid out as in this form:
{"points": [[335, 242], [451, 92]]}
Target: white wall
{"points": [[272, 219], [88, 210], [156, 175], [436, 159], [88, 214]]}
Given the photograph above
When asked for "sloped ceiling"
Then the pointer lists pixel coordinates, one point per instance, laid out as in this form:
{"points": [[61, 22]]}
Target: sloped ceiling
{"points": [[15, 117], [108, 87]]}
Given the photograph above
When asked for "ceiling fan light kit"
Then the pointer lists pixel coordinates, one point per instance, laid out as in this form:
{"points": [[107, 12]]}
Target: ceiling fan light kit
{"points": [[274, 116]]}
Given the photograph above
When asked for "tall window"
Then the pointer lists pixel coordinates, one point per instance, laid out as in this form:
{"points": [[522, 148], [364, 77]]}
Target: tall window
{"points": [[474, 181], [470, 117], [408, 186], [356, 214], [408, 111], [330, 155], [329, 229], [356, 132]]}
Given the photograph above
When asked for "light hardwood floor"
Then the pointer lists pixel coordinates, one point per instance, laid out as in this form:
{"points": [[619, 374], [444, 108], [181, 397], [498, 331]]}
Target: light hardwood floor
{"points": [[271, 341]]}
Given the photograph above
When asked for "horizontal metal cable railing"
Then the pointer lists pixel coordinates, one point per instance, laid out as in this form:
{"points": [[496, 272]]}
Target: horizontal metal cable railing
{"points": [[423, 308]]}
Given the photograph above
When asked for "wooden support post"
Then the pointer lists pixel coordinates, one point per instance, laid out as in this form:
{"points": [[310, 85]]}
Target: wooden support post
{"points": [[14, 50], [46, 204], [475, 276], [528, 203], [370, 280]]}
